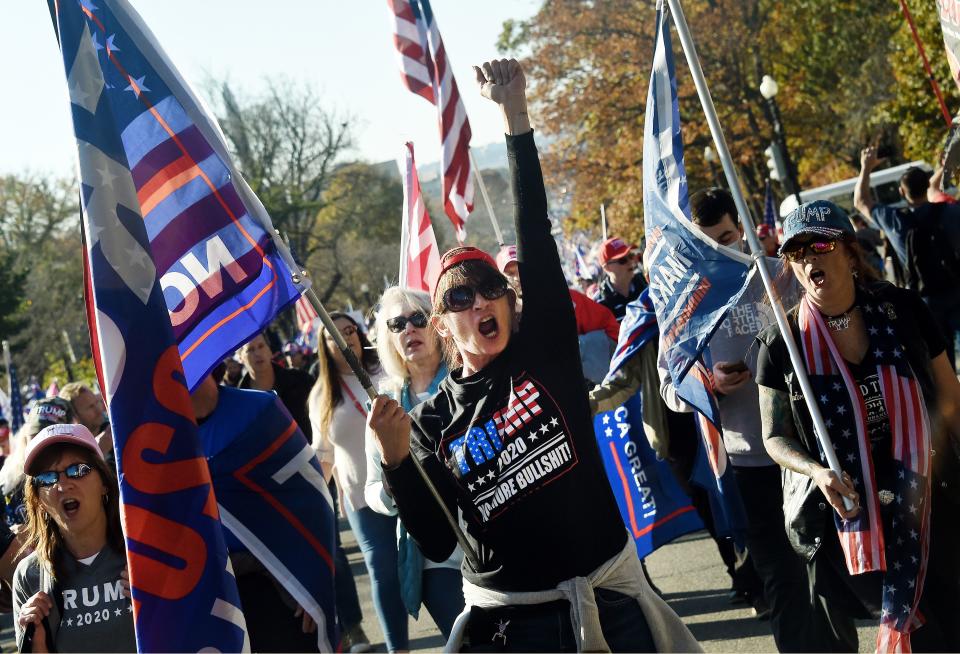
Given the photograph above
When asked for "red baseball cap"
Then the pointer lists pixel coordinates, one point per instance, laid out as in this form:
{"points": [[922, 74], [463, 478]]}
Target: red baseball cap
{"points": [[614, 248], [458, 255], [763, 230], [66, 433], [506, 255]]}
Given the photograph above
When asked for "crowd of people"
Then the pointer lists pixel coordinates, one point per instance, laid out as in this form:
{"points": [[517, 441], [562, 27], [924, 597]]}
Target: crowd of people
{"points": [[474, 484]]}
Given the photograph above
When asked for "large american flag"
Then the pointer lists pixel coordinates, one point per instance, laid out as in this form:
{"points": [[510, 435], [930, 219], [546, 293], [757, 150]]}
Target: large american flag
{"points": [[893, 540], [426, 71], [419, 254]]}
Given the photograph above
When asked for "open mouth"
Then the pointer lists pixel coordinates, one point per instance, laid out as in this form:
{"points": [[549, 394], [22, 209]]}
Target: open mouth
{"points": [[818, 277], [488, 327], [71, 507]]}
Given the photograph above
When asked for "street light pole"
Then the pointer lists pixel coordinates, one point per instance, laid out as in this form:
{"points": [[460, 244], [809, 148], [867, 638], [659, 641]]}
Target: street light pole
{"points": [[711, 158], [768, 89]]}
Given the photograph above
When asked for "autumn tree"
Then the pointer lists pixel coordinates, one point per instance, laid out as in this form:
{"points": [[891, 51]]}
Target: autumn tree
{"points": [[589, 64]]}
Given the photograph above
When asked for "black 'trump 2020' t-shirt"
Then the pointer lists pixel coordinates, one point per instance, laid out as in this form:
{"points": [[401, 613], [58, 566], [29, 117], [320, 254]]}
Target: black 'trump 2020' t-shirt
{"points": [[513, 446]]}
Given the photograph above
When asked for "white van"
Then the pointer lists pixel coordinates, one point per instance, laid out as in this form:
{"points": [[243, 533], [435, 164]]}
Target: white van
{"points": [[885, 184]]}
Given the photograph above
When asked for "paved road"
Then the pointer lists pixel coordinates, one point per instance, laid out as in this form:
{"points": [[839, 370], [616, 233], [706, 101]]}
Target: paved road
{"points": [[689, 573]]}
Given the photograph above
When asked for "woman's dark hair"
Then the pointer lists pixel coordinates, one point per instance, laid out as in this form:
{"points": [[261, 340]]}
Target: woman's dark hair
{"points": [[42, 535], [326, 393]]}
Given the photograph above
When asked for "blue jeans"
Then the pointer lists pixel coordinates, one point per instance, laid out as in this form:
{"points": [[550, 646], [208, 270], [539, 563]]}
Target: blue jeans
{"points": [[377, 537], [442, 594], [546, 627]]}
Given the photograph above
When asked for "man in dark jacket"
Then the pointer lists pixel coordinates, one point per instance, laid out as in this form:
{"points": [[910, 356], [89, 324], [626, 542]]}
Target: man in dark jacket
{"points": [[622, 283], [262, 374]]}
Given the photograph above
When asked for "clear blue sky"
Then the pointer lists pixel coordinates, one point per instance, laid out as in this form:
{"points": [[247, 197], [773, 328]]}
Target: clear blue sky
{"points": [[344, 49]]}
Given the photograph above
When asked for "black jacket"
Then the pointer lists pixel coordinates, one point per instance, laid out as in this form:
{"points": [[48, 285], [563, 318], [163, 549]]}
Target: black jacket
{"points": [[293, 389], [512, 446]]}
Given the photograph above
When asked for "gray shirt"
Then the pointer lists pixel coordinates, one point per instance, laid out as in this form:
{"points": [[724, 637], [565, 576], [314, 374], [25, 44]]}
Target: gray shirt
{"points": [[96, 616], [734, 341]]}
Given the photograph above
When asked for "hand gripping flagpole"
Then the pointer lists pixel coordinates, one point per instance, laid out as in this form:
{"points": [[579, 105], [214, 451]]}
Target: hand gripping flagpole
{"points": [[367, 384], [486, 198], [693, 61]]}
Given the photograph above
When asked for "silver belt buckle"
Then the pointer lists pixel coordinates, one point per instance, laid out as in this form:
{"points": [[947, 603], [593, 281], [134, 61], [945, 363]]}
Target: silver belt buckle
{"points": [[886, 497]]}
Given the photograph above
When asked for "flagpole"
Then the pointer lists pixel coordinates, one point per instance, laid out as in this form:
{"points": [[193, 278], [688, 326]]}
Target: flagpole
{"points": [[7, 363], [367, 384], [729, 171], [486, 198], [603, 221]]}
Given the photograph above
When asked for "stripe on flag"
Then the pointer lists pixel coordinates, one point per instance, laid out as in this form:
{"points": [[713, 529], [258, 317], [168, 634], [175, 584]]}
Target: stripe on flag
{"points": [[423, 61], [419, 254]]}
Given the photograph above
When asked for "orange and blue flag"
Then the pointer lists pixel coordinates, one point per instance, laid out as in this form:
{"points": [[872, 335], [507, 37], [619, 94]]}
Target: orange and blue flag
{"points": [[208, 239], [180, 268]]}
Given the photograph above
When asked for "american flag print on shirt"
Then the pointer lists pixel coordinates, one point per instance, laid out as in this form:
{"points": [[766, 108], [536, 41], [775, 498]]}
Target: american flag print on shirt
{"points": [[512, 453], [425, 70], [896, 540]]}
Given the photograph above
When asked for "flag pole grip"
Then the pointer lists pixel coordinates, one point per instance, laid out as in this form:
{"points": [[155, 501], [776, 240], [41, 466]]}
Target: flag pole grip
{"points": [[367, 384], [733, 181], [486, 198]]}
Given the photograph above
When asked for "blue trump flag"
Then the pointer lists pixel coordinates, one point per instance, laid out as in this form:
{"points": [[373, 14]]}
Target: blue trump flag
{"points": [[273, 499], [141, 225], [654, 507], [693, 279], [222, 275]]}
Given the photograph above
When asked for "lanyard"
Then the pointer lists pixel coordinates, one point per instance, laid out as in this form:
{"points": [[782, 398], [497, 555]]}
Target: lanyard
{"points": [[354, 398]]}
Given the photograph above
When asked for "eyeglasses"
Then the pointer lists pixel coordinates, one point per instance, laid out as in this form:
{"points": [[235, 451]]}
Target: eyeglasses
{"points": [[815, 247], [461, 298], [346, 332], [623, 261], [48, 478], [418, 319]]}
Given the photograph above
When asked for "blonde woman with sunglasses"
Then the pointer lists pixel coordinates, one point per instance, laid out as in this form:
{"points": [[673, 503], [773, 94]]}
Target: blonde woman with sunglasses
{"points": [[409, 348]]}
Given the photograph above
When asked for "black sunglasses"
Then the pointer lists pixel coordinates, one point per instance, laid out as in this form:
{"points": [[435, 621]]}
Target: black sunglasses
{"points": [[418, 319], [48, 478], [624, 260], [461, 298]]}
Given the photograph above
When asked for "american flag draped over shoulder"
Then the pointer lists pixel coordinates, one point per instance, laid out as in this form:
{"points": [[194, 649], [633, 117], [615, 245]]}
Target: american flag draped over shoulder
{"points": [[419, 253], [894, 539], [426, 71]]}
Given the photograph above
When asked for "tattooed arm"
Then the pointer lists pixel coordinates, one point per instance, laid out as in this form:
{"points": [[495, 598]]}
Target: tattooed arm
{"points": [[780, 440]]}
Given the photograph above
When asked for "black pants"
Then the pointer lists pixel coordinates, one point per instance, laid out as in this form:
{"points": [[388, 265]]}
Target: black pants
{"points": [[271, 624], [547, 628], [859, 596], [684, 441], [349, 613], [781, 569]]}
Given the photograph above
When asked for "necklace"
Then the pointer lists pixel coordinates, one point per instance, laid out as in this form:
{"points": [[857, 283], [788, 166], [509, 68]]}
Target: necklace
{"points": [[840, 322]]}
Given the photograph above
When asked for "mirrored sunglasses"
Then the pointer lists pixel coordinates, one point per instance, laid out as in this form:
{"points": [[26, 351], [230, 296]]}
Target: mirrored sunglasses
{"points": [[418, 319], [461, 298], [48, 478], [815, 247]]}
